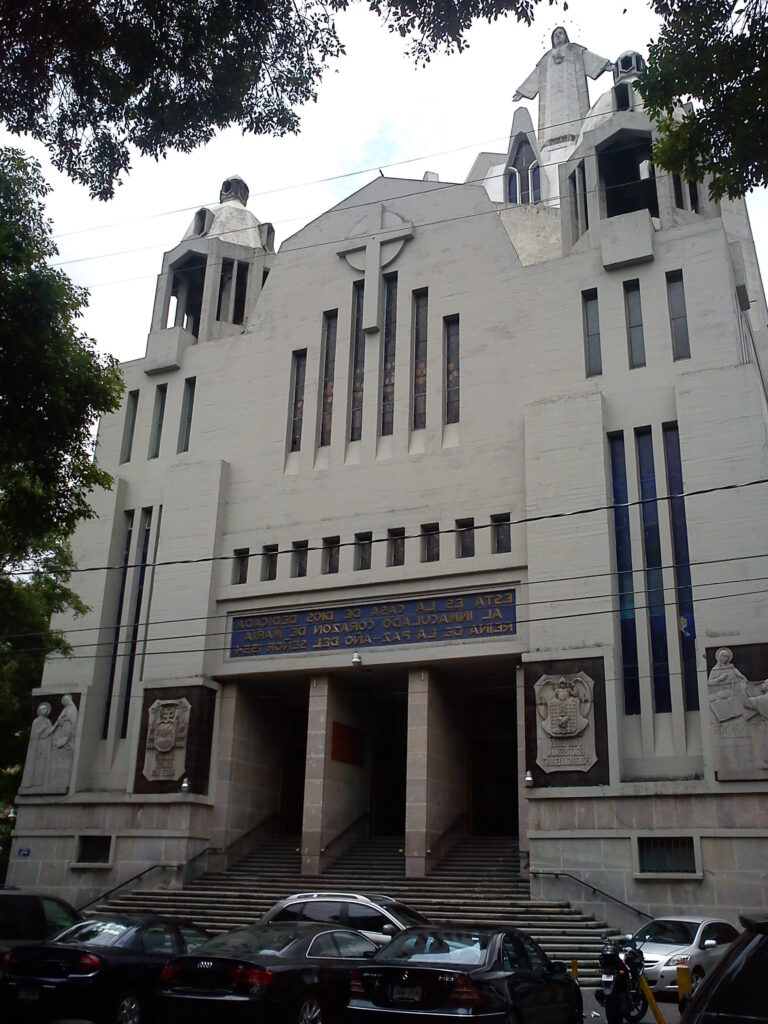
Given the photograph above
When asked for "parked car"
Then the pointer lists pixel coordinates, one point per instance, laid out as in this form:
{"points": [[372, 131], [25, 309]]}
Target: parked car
{"points": [[292, 972], [32, 917], [449, 973], [667, 943], [735, 991], [104, 969], [377, 917]]}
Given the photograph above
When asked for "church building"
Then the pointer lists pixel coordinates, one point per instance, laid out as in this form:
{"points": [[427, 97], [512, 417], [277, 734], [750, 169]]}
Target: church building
{"points": [[446, 518]]}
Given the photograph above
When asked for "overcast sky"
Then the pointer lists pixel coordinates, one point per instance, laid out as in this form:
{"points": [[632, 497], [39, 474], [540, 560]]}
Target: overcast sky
{"points": [[374, 110]]}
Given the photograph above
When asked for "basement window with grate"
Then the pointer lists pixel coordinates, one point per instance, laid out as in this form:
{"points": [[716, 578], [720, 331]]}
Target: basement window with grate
{"points": [[667, 855]]}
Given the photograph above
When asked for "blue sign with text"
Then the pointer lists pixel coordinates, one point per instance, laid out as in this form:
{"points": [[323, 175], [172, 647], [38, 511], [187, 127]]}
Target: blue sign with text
{"points": [[483, 615]]}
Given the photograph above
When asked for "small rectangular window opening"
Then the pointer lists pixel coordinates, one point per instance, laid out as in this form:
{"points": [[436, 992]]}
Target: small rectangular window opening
{"points": [[634, 317], [501, 535], [593, 356], [666, 854], [452, 406], [430, 542], [300, 549], [240, 559], [298, 375], [269, 562], [187, 405], [396, 546], [129, 427], [94, 849], [678, 316], [331, 548], [363, 548], [158, 415], [465, 538]]}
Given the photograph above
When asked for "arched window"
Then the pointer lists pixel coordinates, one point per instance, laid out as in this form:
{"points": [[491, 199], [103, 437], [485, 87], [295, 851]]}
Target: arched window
{"points": [[513, 190], [536, 183]]}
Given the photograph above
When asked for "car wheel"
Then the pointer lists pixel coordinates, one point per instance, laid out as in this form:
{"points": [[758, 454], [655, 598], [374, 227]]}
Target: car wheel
{"points": [[128, 1009], [697, 976], [310, 1011]]}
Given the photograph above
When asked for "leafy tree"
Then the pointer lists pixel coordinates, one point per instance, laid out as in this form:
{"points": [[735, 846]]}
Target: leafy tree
{"points": [[715, 54], [88, 78], [53, 384]]}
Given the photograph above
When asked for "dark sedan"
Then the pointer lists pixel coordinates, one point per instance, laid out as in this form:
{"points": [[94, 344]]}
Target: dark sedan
{"points": [[295, 972], [450, 973], [104, 969]]}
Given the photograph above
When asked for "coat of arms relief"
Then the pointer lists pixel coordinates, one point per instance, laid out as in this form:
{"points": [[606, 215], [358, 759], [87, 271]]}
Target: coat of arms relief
{"points": [[565, 723], [166, 748]]}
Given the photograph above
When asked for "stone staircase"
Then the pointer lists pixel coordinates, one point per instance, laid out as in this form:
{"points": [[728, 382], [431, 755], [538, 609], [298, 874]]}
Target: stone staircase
{"points": [[480, 881]]}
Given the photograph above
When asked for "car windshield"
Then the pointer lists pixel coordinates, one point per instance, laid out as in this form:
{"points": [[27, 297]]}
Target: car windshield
{"points": [[405, 916], [258, 941], [668, 933], [467, 949], [97, 932]]}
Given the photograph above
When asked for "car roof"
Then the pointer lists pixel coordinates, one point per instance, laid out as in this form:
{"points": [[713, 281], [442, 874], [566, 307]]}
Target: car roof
{"points": [[690, 918], [755, 923], [135, 918], [361, 897]]}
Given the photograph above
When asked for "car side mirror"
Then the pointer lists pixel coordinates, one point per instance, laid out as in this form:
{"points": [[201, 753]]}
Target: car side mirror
{"points": [[390, 929], [559, 967], [710, 943], [368, 953]]}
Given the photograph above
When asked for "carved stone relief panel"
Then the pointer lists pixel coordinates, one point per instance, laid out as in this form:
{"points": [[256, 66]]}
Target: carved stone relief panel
{"points": [[737, 690], [166, 746], [51, 750], [566, 734]]}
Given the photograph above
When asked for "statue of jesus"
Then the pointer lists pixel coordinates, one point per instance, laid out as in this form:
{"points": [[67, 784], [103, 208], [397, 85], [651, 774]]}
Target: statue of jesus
{"points": [[560, 81]]}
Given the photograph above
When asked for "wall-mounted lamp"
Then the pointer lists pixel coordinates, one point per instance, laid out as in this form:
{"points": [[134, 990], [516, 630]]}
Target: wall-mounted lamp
{"points": [[12, 815], [528, 778], [357, 661], [185, 785]]}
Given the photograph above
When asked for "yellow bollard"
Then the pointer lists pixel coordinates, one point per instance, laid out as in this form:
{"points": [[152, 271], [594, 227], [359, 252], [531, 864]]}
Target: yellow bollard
{"points": [[651, 1000], [575, 970], [684, 983]]}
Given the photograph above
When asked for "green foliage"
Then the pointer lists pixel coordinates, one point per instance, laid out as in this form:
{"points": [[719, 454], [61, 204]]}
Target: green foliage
{"points": [[714, 54], [53, 384], [90, 78]]}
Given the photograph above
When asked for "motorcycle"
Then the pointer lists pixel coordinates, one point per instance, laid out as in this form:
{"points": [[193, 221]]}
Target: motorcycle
{"points": [[621, 967]]}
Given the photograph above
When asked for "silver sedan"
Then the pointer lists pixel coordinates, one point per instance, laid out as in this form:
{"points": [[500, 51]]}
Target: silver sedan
{"points": [[671, 942]]}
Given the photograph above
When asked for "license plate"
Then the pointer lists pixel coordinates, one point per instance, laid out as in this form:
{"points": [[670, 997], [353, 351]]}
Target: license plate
{"points": [[29, 994], [408, 993], [607, 978]]}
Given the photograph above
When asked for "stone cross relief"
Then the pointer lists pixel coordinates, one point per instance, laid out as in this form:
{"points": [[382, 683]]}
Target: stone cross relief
{"points": [[373, 244], [739, 714]]}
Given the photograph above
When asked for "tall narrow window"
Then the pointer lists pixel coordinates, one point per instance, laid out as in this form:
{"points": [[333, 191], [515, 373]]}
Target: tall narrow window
{"points": [[299, 558], [118, 621], [240, 559], [129, 428], [299, 372], [693, 196], [657, 621], [683, 584], [452, 369], [158, 415], [465, 538], [269, 562], [241, 290], [592, 353], [430, 542], [233, 286], [146, 529], [501, 534], [363, 546], [358, 363], [331, 547], [225, 289], [535, 184], [633, 312], [396, 546], [187, 404], [388, 358], [420, 309], [330, 321], [678, 316], [677, 185], [623, 544]]}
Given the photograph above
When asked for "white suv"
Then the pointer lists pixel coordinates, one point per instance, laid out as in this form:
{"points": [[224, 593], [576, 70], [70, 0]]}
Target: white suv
{"points": [[377, 917]]}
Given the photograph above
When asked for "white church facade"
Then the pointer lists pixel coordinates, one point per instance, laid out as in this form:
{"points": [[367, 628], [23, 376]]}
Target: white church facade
{"points": [[446, 518]]}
